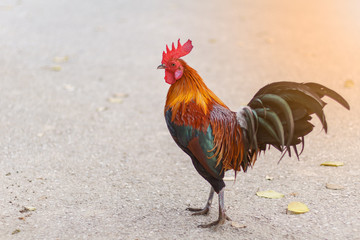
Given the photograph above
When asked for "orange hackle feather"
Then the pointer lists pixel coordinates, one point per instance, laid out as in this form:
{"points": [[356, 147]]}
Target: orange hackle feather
{"points": [[190, 88], [194, 104]]}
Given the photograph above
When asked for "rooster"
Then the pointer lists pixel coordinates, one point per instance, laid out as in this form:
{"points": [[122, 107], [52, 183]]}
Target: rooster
{"points": [[218, 139]]}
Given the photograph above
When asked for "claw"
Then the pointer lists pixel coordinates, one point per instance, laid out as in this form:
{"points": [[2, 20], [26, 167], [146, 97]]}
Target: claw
{"points": [[194, 209], [206, 209], [217, 223], [199, 211]]}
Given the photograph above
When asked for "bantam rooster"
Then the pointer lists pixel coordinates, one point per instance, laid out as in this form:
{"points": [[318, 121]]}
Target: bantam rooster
{"points": [[218, 139]]}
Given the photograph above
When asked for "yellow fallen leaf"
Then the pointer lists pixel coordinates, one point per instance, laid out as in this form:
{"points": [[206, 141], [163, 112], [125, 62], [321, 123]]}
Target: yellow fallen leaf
{"points": [[332, 164], [115, 100], [349, 83], [61, 59], [334, 186], [297, 208], [212, 40], [56, 68], [270, 194]]}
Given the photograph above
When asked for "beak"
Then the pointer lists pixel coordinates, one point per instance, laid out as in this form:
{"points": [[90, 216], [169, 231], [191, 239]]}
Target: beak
{"points": [[162, 66]]}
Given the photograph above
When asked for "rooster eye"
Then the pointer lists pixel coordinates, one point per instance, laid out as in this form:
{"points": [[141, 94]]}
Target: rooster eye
{"points": [[173, 64]]}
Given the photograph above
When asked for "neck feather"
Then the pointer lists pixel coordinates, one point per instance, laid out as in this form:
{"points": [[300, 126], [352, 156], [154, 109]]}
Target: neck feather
{"points": [[191, 88]]}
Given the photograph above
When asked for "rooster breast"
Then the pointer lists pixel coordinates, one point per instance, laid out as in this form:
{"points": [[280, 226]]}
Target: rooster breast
{"points": [[209, 139]]}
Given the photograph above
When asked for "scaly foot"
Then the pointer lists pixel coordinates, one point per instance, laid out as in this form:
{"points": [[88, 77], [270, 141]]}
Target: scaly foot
{"points": [[222, 216], [217, 223]]}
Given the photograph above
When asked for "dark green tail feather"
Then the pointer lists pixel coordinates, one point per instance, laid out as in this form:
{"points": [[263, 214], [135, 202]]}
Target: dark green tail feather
{"points": [[279, 114], [273, 102], [275, 121], [310, 104], [324, 91]]}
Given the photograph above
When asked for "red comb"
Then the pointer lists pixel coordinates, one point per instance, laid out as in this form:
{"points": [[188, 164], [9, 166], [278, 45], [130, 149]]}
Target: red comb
{"points": [[178, 52]]}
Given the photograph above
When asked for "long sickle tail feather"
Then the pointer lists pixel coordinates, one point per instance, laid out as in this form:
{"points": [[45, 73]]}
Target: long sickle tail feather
{"points": [[279, 115]]}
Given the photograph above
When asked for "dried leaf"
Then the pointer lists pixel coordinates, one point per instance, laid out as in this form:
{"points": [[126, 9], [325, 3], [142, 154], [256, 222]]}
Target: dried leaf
{"points": [[62, 59], [27, 209], [334, 186], [349, 83], [270, 194], [118, 97], [332, 164], [69, 88], [212, 40], [15, 231], [267, 177], [102, 109], [30, 208], [115, 100], [237, 225], [297, 208], [55, 68]]}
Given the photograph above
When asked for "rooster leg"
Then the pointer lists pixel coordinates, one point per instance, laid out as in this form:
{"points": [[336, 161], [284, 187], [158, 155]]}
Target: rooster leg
{"points": [[222, 216], [205, 210]]}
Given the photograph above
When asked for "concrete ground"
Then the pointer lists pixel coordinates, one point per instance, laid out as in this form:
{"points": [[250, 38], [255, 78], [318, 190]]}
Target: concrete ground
{"points": [[84, 150]]}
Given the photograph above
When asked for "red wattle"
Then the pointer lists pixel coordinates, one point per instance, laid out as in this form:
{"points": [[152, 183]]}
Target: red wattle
{"points": [[169, 77]]}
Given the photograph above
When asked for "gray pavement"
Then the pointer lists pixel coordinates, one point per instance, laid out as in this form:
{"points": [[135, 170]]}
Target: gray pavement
{"points": [[83, 140]]}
